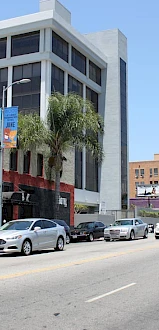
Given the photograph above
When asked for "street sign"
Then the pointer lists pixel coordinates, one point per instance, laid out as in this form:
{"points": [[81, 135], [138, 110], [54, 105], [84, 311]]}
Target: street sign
{"points": [[10, 127]]}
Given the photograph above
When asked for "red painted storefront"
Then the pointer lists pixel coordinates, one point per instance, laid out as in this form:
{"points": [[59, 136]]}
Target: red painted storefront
{"points": [[26, 179]]}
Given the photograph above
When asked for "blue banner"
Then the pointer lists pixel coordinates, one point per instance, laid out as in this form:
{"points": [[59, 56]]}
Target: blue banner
{"points": [[10, 127]]}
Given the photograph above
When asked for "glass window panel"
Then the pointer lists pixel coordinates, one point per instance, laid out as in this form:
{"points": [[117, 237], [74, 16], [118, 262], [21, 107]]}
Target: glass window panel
{"points": [[27, 71], [25, 43], [78, 61], [26, 101], [59, 46], [3, 46], [94, 73], [17, 73], [36, 100], [36, 71], [4, 74]]}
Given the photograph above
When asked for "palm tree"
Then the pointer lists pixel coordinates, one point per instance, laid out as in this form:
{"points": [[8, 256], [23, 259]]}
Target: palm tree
{"points": [[71, 122], [31, 132]]}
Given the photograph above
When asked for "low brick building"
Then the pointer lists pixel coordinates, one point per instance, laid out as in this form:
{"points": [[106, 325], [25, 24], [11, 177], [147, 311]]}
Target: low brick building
{"points": [[143, 173]]}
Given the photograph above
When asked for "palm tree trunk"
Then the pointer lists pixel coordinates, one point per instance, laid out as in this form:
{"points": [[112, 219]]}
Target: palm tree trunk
{"points": [[57, 195]]}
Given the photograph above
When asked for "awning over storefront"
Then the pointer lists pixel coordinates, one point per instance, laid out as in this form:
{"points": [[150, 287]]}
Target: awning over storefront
{"points": [[18, 197]]}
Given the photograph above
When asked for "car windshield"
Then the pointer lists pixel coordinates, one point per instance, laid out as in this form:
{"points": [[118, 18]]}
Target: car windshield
{"points": [[123, 223], [17, 225], [85, 225]]}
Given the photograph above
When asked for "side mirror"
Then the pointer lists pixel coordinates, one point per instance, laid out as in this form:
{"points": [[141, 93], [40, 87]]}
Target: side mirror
{"points": [[110, 225], [37, 228]]}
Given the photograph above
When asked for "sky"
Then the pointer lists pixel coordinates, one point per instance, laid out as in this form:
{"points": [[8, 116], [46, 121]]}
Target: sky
{"points": [[138, 20]]}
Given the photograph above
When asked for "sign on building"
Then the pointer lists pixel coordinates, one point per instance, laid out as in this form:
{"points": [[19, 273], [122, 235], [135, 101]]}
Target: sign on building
{"points": [[150, 190], [10, 127]]}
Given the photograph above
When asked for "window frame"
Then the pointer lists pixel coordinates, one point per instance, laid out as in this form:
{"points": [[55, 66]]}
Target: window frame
{"points": [[21, 37]]}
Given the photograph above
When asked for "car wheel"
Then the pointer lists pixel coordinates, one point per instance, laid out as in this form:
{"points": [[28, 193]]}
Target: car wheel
{"points": [[107, 239], [145, 234], [132, 235], [60, 244], [67, 239], [27, 247], [156, 237], [91, 237]]}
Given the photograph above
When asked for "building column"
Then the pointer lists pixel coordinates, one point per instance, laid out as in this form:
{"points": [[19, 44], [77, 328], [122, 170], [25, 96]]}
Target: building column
{"points": [[84, 150], [9, 91], [42, 41], [43, 89], [48, 40], [8, 55], [65, 83], [48, 83]]}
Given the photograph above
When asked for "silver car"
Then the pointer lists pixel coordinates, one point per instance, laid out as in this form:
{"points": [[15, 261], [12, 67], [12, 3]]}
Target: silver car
{"points": [[27, 235], [126, 229]]}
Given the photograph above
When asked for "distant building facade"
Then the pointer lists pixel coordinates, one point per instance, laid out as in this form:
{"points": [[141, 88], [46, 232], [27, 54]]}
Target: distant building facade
{"points": [[144, 181]]}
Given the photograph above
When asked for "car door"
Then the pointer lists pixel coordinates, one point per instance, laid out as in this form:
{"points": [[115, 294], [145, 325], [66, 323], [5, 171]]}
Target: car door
{"points": [[142, 227], [137, 228], [101, 227], [51, 232], [38, 237], [96, 230]]}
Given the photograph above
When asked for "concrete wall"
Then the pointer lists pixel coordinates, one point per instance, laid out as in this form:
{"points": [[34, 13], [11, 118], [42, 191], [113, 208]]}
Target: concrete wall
{"points": [[114, 45]]}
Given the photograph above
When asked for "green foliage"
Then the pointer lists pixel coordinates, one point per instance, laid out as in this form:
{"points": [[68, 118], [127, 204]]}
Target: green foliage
{"points": [[31, 131], [68, 123], [149, 214], [78, 208]]}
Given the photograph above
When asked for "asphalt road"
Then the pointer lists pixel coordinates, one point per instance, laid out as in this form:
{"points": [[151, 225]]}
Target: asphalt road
{"points": [[89, 286]]}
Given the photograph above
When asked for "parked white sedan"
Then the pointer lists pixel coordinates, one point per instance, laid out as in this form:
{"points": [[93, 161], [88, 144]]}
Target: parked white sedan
{"points": [[27, 235], [126, 229]]}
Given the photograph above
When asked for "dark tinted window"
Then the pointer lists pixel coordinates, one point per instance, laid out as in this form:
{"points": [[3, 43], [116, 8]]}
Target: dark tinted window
{"points": [[77, 87], [78, 61], [25, 43], [61, 222], [48, 224], [94, 73], [27, 96], [123, 107], [13, 160], [59, 46], [93, 97], [91, 163], [26, 164], [3, 82], [3, 44], [101, 224], [78, 168], [39, 164], [38, 223], [57, 80]]}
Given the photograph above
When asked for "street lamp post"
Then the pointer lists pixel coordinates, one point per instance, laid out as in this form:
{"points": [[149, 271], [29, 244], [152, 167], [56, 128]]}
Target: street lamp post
{"points": [[22, 81]]}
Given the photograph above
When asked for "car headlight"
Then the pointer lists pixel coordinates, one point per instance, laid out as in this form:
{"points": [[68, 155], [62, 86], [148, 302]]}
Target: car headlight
{"points": [[14, 237], [124, 230], [106, 230]]}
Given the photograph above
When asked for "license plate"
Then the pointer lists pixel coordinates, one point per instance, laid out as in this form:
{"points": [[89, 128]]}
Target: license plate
{"points": [[74, 236]]}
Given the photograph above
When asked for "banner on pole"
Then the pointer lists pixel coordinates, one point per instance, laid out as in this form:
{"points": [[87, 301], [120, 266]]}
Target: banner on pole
{"points": [[10, 127]]}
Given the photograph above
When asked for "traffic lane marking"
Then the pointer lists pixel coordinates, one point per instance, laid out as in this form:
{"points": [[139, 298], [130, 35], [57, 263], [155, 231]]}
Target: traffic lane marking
{"points": [[109, 293], [77, 262]]}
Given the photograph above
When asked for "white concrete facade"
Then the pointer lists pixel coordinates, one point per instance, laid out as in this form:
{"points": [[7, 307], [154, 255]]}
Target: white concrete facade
{"points": [[105, 50]]}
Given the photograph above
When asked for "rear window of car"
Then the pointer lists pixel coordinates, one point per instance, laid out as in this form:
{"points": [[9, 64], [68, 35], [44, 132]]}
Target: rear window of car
{"points": [[60, 222]]}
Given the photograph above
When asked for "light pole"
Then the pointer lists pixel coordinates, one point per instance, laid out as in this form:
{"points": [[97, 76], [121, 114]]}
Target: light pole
{"points": [[22, 81]]}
